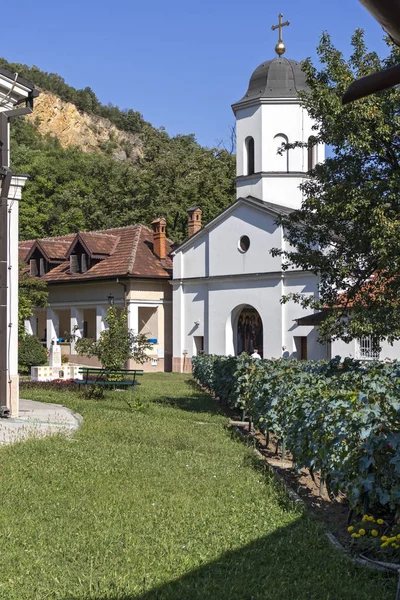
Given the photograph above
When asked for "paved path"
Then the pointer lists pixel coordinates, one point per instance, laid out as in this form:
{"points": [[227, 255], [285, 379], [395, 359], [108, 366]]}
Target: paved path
{"points": [[37, 419]]}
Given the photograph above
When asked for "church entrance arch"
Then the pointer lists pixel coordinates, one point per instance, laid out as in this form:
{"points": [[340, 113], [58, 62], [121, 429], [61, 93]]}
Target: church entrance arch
{"points": [[244, 331]]}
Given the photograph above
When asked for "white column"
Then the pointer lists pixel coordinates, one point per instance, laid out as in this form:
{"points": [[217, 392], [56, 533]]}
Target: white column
{"points": [[133, 317], [9, 387], [101, 325], [160, 330], [76, 326], [52, 326], [31, 325]]}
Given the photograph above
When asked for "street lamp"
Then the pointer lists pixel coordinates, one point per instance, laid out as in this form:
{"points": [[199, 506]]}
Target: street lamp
{"points": [[111, 300]]}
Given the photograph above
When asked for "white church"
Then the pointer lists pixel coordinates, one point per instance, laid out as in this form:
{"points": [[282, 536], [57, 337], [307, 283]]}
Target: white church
{"points": [[227, 286]]}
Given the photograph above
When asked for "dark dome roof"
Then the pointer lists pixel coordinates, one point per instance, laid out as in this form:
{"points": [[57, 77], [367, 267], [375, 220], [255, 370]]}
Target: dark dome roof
{"points": [[276, 78]]}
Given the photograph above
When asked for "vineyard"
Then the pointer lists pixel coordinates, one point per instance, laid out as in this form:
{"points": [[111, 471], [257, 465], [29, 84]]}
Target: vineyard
{"points": [[341, 420]]}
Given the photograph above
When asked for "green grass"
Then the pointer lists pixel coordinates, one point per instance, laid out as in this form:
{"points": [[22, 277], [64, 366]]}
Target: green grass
{"points": [[159, 503]]}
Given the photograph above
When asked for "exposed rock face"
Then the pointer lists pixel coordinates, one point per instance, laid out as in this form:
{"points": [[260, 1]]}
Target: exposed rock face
{"points": [[90, 133]]}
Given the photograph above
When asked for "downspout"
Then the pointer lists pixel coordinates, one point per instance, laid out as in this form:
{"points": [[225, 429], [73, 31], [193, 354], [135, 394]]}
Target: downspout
{"points": [[124, 286]]}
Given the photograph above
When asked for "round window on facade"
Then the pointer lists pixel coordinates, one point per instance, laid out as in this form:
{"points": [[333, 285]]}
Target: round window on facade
{"points": [[244, 244]]}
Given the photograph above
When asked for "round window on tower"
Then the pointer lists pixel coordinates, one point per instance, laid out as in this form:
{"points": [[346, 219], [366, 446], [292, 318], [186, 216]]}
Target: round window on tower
{"points": [[244, 244]]}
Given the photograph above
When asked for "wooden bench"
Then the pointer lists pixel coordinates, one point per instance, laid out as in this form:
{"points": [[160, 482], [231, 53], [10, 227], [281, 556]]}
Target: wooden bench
{"points": [[109, 377]]}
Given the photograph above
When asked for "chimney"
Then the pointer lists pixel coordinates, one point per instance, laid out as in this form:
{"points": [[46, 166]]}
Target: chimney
{"points": [[194, 220], [160, 238]]}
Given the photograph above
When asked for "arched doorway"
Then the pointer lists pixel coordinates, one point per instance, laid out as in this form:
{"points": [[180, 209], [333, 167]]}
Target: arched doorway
{"points": [[249, 331]]}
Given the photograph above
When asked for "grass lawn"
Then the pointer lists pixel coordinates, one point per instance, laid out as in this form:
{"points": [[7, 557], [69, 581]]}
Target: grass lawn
{"points": [[159, 503]]}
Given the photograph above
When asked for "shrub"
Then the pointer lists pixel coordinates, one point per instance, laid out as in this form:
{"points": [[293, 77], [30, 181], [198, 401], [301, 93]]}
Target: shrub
{"points": [[56, 385], [31, 353]]}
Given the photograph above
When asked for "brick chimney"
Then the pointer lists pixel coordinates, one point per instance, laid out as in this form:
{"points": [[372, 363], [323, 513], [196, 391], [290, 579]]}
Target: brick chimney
{"points": [[160, 238], [194, 220]]}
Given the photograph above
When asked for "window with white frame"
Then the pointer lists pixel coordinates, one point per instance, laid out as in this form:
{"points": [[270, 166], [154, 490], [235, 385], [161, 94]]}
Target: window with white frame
{"points": [[368, 348]]}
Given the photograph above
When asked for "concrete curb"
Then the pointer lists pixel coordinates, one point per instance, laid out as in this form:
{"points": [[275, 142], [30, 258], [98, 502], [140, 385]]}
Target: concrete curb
{"points": [[38, 420]]}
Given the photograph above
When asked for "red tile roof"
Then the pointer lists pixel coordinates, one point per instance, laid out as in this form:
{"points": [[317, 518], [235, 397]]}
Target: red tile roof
{"points": [[98, 245], [23, 249], [128, 252]]}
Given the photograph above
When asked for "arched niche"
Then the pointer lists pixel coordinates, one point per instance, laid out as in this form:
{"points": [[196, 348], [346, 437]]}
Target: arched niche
{"points": [[280, 156], [249, 156], [244, 331]]}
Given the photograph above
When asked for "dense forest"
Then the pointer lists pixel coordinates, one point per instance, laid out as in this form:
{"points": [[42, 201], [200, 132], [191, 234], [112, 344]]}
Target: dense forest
{"points": [[70, 190]]}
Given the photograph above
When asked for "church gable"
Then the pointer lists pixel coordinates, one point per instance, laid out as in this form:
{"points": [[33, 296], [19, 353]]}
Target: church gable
{"points": [[236, 242]]}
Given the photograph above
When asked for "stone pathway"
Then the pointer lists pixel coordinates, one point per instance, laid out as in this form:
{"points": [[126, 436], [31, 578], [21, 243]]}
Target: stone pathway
{"points": [[38, 419]]}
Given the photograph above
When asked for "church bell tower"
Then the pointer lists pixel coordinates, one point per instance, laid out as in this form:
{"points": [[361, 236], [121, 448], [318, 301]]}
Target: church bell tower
{"points": [[268, 116]]}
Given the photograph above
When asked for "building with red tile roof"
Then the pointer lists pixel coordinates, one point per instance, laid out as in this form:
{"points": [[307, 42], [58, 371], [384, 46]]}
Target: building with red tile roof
{"points": [[87, 271]]}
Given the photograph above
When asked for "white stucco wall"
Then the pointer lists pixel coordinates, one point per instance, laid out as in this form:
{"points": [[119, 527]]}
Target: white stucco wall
{"points": [[219, 281], [340, 348], [307, 284], [216, 251], [271, 124]]}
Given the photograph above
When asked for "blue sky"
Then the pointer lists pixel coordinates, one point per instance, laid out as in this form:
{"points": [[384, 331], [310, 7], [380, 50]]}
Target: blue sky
{"points": [[180, 63]]}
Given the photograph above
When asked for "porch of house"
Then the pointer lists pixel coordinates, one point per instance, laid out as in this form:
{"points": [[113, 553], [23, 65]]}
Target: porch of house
{"points": [[66, 324]]}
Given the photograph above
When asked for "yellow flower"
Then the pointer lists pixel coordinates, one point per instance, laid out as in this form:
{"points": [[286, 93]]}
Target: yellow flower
{"points": [[365, 518], [350, 529], [355, 535], [371, 519], [393, 545], [398, 536], [361, 531], [384, 538], [397, 546], [380, 521], [374, 532], [384, 544]]}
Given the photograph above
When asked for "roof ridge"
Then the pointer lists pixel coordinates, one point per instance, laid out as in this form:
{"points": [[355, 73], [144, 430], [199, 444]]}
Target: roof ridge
{"points": [[54, 238], [99, 233], [59, 237], [114, 228], [132, 258]]}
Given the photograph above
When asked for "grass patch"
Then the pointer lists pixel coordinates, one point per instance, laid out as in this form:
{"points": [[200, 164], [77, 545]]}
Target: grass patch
{"points": [[158, 503]]}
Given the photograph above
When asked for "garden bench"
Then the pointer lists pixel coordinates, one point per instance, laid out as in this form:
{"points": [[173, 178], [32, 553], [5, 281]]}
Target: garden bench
{"points": [[109, 377]]}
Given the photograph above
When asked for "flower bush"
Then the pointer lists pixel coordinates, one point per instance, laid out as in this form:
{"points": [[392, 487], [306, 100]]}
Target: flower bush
{"points": [[376, 537], [340, 419]]}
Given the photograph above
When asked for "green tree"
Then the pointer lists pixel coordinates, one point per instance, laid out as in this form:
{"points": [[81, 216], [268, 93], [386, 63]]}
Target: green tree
{"points": [[117, 344], [348, 229], [32, 294]]}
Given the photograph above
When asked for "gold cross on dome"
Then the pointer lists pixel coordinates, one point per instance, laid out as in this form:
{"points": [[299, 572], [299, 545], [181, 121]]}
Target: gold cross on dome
{"points": [[280, 47]]}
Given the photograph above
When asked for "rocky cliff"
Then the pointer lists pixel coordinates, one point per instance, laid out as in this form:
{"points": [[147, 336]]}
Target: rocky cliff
{"points": [[90, 133]]}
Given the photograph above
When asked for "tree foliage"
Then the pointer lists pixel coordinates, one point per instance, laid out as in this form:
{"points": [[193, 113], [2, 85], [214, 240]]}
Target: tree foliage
{"points": [[70, 190], [348, 228], [117, 344], [32, 294]]}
